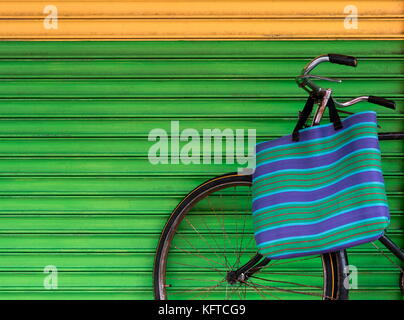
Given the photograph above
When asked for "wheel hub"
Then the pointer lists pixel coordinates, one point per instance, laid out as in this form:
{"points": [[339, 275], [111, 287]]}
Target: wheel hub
{"points": [[233, 277]]}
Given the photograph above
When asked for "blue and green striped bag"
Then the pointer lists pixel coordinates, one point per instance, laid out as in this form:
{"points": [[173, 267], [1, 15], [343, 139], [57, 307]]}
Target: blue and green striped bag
{"points": [[321, 194]]}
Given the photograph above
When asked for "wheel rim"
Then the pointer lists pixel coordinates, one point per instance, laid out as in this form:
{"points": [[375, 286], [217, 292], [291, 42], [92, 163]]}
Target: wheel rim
{"points": [[213, 239]]}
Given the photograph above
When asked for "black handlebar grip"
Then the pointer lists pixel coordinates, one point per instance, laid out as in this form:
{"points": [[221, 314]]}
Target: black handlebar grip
{"points": [[341, 59], [382, 102]]}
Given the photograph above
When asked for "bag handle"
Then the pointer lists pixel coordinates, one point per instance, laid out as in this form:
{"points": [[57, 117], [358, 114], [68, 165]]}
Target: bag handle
{"points": [[334, 116], [305, 114]]}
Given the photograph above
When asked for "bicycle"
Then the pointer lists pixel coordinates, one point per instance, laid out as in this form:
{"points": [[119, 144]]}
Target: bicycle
{"points": [[216, 215]]}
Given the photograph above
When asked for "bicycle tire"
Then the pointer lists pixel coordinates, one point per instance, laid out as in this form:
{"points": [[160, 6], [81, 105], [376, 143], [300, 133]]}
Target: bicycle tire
{"points": [[334, 264]]}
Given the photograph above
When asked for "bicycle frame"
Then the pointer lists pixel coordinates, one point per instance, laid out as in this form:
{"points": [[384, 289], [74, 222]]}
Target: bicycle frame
{"points": [[259, 261], [323, 96]]}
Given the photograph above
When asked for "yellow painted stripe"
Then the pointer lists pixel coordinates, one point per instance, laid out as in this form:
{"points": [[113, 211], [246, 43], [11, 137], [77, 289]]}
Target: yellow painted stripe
{"points": [[200, 19], [113, 29], [197, 9]]}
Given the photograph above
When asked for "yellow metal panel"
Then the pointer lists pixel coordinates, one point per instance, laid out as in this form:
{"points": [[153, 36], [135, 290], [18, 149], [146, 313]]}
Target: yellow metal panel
{"points": [[200, 8], [198, 19], [112, 29]]}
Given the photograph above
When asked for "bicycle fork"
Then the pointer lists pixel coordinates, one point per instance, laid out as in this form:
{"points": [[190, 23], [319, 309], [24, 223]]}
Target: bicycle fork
{"points": [[389, 244], [247, 270]]}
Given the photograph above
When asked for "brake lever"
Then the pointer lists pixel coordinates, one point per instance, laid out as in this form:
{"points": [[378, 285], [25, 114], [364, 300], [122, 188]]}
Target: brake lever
{"points": [[308, 76]]}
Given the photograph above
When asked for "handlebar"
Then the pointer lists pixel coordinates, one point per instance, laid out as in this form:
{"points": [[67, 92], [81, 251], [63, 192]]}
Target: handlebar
{"points": [[382, 102], [304, 81], [341, 59]]}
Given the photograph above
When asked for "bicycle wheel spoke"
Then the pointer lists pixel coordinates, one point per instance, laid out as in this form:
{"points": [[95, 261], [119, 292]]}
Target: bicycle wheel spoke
{"points": [[232, 292], [261, 292], [208, 291], [287, 290], [240, 250], [240, 235], [256, 290], [291, 274], [200, 256], [203, 238], [291, 261], [213, 237], [195, 266], [193, 247], [287, 282], [197, 289], [236, 244], [247, 247], [223, 224], [224, 232], [190, 279]]}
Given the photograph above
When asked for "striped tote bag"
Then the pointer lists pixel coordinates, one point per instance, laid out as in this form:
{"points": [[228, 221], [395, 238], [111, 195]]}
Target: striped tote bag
{"points": [[321, 194]]}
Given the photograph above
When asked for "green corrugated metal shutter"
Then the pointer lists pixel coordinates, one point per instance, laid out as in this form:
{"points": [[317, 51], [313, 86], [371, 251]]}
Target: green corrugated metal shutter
{"points": [[76, 188]]}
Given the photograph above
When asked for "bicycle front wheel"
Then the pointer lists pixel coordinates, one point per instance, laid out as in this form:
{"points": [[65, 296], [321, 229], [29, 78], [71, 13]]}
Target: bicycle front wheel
{"points": [[210, 233]]}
